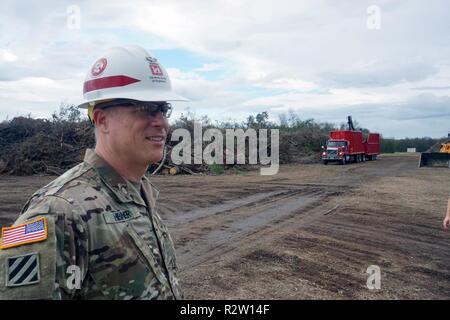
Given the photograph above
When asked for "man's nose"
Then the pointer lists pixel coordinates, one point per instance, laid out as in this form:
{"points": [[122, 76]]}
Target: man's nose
{"points": [[158, 120]]}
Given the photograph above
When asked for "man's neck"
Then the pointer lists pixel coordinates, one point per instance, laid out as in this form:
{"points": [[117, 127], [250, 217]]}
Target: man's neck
{"points": [[130, 171]]}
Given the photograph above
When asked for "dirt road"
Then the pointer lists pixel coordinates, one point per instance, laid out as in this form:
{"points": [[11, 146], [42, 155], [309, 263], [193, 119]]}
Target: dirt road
{"points": [[309, 232]]}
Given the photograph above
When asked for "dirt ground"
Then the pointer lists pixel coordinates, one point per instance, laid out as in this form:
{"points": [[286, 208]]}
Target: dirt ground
{"points": [[309, 232]]}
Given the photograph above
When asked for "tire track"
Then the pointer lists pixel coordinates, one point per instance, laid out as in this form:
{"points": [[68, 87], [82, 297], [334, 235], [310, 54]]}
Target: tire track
{"points": [[218, 241]]}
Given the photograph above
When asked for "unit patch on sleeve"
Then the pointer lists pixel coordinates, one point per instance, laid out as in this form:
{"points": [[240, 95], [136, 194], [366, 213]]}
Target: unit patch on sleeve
{"points": [[29, 232], [22, 270]]}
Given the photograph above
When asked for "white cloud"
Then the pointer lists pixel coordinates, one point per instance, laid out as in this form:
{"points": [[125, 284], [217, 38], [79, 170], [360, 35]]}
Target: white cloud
{"points": [[303, 55], [207, 67], [37, 95], [7, 56]]}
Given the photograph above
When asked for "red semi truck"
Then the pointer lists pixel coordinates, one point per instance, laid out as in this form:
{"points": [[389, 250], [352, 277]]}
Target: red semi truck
{"points": [[348, 146]]}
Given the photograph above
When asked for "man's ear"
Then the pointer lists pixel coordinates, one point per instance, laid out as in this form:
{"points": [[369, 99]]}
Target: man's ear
{"points": [[101, 120]]}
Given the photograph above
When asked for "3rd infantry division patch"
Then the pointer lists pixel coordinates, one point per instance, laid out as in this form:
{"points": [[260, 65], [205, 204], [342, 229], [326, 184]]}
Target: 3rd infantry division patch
{"points": [[22, 270]]}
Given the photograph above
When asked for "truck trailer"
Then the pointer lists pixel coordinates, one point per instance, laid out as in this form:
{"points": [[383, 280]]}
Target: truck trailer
{"points": [[346, 146]]}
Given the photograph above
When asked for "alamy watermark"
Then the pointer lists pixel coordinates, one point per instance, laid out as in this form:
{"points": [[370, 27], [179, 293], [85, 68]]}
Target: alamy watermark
{"points": [[224, 150], [374, 280], [373, 21], [73, 21], [74, 279]]}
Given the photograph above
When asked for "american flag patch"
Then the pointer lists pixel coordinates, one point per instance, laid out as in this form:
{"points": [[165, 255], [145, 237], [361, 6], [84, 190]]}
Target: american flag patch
{"points": [[29, 232]]}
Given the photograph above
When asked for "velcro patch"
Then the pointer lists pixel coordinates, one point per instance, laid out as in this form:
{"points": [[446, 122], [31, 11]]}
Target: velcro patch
{"points": [[119, 216], [29, 232], [22, 270]]}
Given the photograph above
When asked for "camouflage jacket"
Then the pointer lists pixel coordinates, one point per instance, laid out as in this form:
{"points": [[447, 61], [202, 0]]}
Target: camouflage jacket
{"points": [[91, 235]]}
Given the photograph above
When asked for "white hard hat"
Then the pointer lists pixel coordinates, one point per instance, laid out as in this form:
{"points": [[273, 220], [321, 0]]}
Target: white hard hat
{"points": [[127, 72]]}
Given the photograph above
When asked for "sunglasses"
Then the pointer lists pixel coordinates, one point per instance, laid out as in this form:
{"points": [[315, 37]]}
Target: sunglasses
{"points": [[148, 108]]}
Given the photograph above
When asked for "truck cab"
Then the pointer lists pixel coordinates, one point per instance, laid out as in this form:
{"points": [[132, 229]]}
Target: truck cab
{"points": [[335, 150]]}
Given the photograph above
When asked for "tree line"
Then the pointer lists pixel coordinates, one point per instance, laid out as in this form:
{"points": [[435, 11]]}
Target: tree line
{"points": [[30, 146]]}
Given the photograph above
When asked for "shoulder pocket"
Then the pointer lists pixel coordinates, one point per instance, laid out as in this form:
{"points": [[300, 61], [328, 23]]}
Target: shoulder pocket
{"points": [[123, 267], [147, 254]]}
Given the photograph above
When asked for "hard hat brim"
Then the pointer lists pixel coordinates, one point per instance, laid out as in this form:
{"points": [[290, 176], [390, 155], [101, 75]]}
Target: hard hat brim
{"points": [[147, 95]]}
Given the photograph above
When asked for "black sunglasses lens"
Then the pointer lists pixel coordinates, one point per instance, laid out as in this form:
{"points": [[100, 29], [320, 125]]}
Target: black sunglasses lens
{"points": [[153, 109]]}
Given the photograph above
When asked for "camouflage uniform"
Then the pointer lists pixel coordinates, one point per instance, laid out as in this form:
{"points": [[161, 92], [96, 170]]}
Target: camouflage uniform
{"points": [[101, 228]]}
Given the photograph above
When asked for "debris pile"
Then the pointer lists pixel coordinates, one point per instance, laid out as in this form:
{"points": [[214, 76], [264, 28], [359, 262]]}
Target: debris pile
{"points": [[31, 146], [51, 146]]}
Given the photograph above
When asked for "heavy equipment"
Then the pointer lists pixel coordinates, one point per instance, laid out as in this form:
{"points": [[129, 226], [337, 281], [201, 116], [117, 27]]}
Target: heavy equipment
{"points": [[437, 156]]}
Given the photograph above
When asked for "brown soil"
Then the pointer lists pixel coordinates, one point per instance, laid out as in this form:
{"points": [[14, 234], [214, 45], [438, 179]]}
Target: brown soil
{"points": [[309, 232]]}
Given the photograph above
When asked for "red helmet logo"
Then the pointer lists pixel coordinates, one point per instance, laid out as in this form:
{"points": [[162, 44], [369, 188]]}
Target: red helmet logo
{"points": [[99, 67], [156, 70]]}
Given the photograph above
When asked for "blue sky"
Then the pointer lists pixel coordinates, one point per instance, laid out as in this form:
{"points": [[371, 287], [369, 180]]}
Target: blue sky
{"points": [[383, 62]]}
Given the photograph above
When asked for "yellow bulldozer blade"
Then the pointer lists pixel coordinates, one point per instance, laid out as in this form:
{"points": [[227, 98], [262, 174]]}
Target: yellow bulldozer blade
{"points": [[434, 159], [445, 147]]}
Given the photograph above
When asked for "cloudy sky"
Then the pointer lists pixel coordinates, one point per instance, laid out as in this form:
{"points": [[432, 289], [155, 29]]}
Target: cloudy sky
{"points": [[386, 63]]}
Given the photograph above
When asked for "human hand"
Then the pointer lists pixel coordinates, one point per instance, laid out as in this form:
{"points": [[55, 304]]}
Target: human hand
{"points": [[446, 222]]}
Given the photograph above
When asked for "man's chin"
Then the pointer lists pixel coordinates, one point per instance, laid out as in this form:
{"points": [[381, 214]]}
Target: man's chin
{"points": [[154, 158]]}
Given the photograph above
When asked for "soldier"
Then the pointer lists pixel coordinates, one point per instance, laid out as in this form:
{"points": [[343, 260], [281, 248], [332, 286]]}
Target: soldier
{"points": [[94, 232]]}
